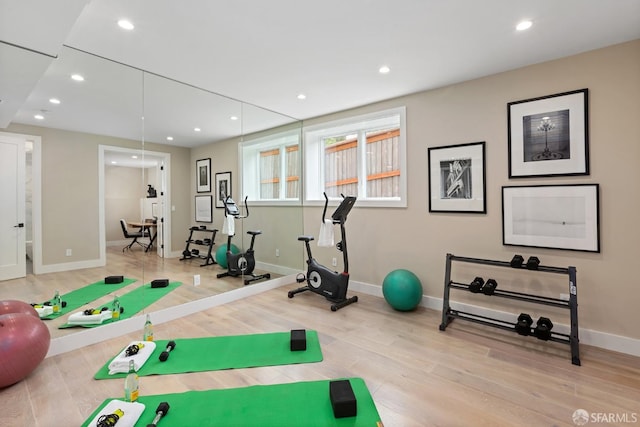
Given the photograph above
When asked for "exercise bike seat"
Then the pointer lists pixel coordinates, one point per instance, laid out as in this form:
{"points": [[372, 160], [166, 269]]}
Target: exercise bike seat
{"points": [[305, 238], [254, 233]]}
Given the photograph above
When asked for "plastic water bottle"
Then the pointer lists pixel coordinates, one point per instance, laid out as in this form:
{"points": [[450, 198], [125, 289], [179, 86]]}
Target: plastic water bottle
{"points": [[115, 312], [131, 385], [148, 329], [57, 302]]}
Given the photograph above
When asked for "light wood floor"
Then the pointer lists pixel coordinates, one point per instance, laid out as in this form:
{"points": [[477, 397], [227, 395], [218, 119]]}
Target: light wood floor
{"points": [[468, 375]]}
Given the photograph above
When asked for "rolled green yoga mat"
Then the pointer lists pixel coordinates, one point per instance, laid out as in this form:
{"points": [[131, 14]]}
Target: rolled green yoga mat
{"points": [[133, 302], [225, 352], [283, 405], [85, 295]]}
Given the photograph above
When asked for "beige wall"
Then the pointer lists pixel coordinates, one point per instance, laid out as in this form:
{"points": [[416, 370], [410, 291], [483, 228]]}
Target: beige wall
{"points": [[381, 240], [122, 194]]}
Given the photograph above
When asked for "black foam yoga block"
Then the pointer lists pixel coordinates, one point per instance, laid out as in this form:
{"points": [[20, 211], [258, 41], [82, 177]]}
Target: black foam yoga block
{"points": [[343, 400], [160, 283], [298, 340], [111, 280]]}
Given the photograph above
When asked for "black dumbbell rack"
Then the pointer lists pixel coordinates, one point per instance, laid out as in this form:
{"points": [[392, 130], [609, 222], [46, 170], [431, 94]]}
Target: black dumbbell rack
{"points": [[188, 252], [448, 314]]}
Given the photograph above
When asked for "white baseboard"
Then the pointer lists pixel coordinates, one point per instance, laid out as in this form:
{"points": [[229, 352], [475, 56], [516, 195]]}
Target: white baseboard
{"points": [[67, 266], [587, 336]]}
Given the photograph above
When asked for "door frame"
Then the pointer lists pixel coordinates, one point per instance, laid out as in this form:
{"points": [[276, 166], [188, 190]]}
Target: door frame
{"points": [[36, 196], [166, 212]]}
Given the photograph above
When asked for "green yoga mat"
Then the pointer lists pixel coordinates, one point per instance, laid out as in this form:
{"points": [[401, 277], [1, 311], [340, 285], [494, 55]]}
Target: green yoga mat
{"points": [[283, 405], [133, 302], [85, 295], [226, 352]]}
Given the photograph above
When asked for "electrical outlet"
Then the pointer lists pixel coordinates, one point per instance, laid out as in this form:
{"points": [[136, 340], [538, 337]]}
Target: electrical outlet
{"points": [[277, 252], [69, 252], [334, 261], [196, 280]]}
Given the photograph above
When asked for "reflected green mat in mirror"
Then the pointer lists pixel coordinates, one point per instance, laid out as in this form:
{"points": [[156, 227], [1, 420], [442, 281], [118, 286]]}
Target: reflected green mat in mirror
{"points": [[225, 352], [85, 295], [133, 302], [281, 405]]}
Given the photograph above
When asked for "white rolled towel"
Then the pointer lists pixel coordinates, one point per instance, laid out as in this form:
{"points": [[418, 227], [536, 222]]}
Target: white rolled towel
{"points": [[44, 310], [228, 226], [132, 412], [80, 318], [120, 364], [325, 238]]}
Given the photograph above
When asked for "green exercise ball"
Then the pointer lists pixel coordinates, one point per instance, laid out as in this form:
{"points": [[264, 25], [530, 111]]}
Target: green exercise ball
{"points": [[221, 254], [402, 290]]}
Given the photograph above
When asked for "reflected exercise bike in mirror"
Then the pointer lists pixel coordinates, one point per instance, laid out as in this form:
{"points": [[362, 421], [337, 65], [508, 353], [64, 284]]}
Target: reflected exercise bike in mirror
{"points": [[240, 264], [320, 279]]}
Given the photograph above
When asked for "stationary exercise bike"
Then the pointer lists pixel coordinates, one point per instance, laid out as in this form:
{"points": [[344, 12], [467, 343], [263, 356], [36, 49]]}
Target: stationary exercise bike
{"points": [[322, 280], [241, 264]]}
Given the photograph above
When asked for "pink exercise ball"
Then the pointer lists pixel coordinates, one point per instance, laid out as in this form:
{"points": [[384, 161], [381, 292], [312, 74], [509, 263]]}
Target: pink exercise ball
{"points": [[15, 306], [24, 343]]}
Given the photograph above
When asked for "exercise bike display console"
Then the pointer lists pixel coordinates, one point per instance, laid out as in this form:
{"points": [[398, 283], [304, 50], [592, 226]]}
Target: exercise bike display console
{"points": [[331, 284], [241, 264]]}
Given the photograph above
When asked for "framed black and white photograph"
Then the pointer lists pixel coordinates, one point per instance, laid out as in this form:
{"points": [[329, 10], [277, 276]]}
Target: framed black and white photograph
{"points": [[223, 188], [549, 135], [552, 216], [204, 208], [203, 175], [457, 178]]}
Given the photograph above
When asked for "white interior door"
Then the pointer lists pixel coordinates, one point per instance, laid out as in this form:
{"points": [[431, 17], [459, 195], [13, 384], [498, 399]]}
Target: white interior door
{"points": [[13, 261]]}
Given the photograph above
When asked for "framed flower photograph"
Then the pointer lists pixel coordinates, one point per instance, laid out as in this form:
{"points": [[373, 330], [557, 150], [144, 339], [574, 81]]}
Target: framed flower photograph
{"points": [[457, 178], [549, 135]]}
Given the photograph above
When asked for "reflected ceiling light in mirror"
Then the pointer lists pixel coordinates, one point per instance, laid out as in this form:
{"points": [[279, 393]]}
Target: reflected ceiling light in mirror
{"points": [[134, 157], [302, 96], [196, 129], [77, 77], [54, 101], [524, 25], [384, 69], [125, 24], [234, 117], [169, 138], [38, 117]]}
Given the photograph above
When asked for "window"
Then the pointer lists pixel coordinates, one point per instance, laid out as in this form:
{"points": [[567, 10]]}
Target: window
{"points": [[271, 167], [361, 156]]}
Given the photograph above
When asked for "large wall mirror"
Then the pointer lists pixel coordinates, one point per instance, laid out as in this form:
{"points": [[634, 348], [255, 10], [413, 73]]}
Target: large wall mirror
{"points": [[111, 139]]}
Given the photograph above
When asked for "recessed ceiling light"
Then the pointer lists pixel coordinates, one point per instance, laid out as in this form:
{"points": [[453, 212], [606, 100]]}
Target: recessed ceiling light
{"points": [[134, 157], [38, 117], [113, 162], [384, 69], [77, 77], [234, 117], [54, 101], [302, 96], [169, 138], [125, 24], [196, 129], [524, 25]]}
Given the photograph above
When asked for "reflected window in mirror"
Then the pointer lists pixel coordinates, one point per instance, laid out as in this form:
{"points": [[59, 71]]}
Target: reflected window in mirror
{"points": [[271, 167]]}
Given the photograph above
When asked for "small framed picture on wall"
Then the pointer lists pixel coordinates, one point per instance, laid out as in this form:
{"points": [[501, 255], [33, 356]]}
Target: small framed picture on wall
{"points": [[223, 188], [457, 178], [204, 209], [203, 175]]}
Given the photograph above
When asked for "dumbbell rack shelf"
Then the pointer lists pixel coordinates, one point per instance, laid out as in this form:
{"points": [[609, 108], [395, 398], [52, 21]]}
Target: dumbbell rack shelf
{"points": [[449, 314], [188, 253]]}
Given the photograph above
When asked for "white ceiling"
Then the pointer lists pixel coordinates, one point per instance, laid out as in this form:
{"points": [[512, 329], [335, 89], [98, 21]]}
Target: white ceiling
{"points": [[265, 53]]}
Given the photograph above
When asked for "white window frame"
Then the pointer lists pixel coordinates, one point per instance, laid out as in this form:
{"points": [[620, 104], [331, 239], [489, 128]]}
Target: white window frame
{"points": [[249, 166], [314, 167]]}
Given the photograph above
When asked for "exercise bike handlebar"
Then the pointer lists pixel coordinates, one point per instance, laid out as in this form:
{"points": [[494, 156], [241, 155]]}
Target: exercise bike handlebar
{"points": [[231, 208]]}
